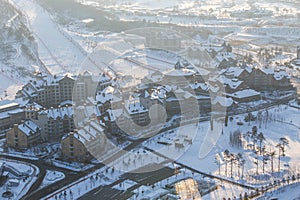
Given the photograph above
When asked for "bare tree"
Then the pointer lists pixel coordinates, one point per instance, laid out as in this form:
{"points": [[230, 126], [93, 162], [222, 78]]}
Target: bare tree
{"points": [[226, 158], [218, 162], [256, 162], [283, 142], [279, 146], [272, 155], [260, 138], [232, 159], [266, 157], [254, 136]]}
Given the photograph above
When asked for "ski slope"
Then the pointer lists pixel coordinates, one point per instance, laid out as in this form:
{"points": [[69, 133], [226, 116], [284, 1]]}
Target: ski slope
{"points": [[56, 48]]}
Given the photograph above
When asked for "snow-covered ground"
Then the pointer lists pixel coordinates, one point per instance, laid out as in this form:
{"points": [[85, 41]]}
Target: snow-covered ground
{"points": [[103, 176], [136, 159], [33, 153], [74, 166], [283, 121], [280, 119], [52, 177], [55, 47], [290, 192], [220, 189], [24, 184], [130, 161]]}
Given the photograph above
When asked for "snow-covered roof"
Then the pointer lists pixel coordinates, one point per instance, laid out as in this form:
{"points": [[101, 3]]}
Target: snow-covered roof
{"points": [[233, 71], [159, 93], [8, 108], [8, 105], [41, 81], [55, 113], [214, 88], [106, 95], [244, 93], [88, 133], [202, 86], [4, 115], [134, 106], [277, 73], [233, 83], [225, 56], [29, 128], [213, 47], [223, 101]]}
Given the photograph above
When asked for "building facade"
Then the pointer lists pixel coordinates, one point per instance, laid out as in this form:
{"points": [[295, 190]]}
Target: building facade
{"points": [[55, 122], [24, 135], [52, 91], [84, 144], [10, 113]]}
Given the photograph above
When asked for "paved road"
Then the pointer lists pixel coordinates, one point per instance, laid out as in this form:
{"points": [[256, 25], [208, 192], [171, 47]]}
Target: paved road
{"points": [[43, 166], [72, 177]]}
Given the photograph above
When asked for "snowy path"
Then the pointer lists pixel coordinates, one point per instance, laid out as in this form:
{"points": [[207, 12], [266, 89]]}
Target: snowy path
{"points": [[57, 51]]}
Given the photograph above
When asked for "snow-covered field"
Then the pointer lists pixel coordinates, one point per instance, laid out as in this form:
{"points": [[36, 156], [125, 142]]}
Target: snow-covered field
{"points": [[283, 121], [290, 192]]}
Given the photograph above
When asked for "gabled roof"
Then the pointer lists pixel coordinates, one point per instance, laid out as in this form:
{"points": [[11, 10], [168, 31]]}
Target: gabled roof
{"points": [[88, 133], [244, 93], [29, 128], [223, 101], [55, 113]]}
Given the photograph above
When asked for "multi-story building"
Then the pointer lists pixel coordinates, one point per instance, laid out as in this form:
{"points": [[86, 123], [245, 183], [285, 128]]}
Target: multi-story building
{"points": [[256, 78], [23, 135], [83, 144], [135, 111], [11, 113], [269, 79], [246, 95], [55, 122], [51, 91]]}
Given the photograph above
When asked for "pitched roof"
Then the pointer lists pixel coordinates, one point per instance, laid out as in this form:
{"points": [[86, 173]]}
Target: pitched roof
{"points": [[55, 113], [29, 128]]}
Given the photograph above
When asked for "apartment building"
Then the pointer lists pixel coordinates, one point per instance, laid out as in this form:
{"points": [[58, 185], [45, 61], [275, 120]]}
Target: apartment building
{"points": [[83, 144], [52, 91], [55, 122], [24, 135]]}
